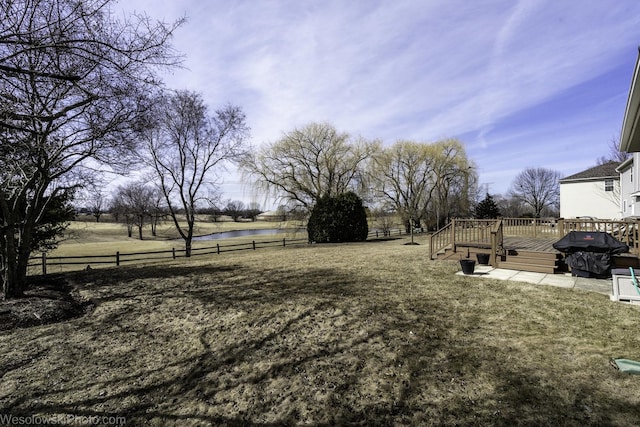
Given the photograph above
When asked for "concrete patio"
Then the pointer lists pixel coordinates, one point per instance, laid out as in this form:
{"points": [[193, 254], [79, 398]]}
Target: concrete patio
{"points": [[562, 280]]}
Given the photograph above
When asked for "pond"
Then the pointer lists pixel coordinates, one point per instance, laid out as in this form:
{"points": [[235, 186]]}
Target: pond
{"points": [[245, 233]]}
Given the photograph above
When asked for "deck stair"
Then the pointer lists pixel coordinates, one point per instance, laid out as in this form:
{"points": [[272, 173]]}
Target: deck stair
{"points": [[539, 262]]}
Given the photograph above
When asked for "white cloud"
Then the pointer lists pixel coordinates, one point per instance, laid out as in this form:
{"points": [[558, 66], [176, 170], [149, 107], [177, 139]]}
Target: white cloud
{"points": [[407, 69]]}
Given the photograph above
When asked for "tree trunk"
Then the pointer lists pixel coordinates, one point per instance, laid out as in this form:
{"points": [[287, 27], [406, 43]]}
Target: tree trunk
{"points": [[140, 232], [129, 229], [154, 226], [187, 247], [15, 260], [12, 284]]}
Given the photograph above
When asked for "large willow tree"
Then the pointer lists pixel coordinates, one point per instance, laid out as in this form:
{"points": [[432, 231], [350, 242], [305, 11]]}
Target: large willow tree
{"points": [[308, 163], [420, 180], [73, 83]]}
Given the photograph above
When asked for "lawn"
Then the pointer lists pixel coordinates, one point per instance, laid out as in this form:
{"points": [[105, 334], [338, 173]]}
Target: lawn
{"points": [[364, 334]]}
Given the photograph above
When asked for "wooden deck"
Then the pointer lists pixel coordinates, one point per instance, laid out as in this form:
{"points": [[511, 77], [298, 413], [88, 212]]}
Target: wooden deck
{"points": [[527, 244], [530, 244]]}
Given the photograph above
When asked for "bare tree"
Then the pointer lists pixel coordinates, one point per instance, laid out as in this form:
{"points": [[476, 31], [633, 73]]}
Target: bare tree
{"points": [[73, 83], [97, 205], [538, 188], [308, 163], [158, 209], [509, 206], [253, 210], [415, 177], [122, 213], [455, 182], [613, 152], [185, 146], [137, 202], [235, 209]]}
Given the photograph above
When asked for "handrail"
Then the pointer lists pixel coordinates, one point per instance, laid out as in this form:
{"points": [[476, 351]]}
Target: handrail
{"points": [[497, 242], [440, 240]]}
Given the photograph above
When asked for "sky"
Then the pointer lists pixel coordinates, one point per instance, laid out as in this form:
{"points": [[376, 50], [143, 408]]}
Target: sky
{"points": [[521, 84]]}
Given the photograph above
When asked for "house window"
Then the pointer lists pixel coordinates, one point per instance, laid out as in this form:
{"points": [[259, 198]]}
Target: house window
{"points": [[624, 206], [608, 185]]}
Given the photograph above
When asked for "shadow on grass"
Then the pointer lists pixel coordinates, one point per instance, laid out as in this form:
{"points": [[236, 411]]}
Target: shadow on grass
{"points": [[283, 347]]}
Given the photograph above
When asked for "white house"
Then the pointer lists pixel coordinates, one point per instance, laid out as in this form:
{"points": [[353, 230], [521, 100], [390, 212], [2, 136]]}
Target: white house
{"points": [[630, 136], [629, 186], [594, 192], [630, 142]]}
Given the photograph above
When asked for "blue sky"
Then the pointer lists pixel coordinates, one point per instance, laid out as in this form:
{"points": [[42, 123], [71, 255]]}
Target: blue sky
{"points": [[521, 83]]}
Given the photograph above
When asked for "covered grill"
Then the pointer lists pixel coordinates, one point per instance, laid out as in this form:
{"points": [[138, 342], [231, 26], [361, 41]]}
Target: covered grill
{"points": [[588, 253]]}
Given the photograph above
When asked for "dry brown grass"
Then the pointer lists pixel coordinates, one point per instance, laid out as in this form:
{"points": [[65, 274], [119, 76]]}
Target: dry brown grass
{"points": [[366, 334]]}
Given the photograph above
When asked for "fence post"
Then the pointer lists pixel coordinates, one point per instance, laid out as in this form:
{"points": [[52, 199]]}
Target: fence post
{"points": [[173, 252], [254, 245], [284, 242], [118, 258], [218, 248], [44, 263]]}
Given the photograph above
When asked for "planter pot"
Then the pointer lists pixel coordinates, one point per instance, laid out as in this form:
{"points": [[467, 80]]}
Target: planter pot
{"points": [[483, 259], [468, 265]]}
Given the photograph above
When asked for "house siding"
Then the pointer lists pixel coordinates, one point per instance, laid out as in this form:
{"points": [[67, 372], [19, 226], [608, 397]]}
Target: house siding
{"points": [[589, 198], [630, 184]]}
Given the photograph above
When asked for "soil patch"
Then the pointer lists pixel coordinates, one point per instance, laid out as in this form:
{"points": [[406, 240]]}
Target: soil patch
{"points": [[47, 299]]}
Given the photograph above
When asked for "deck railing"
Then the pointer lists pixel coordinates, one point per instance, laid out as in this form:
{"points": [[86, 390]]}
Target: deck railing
{"points": [[624, 231], [440, 240], [491, 232], [531, 227], [462, 232]]}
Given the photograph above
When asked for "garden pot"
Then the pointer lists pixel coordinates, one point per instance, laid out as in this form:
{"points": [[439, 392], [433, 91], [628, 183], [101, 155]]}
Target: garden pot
{"points": [[483, 259], [468, 265]]}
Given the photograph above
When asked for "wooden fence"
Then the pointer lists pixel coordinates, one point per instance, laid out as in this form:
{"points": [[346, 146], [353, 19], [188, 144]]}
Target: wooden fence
{"points": [[43, 263]]}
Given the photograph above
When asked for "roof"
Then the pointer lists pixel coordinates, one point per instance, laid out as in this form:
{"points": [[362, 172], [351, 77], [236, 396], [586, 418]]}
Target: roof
{"points": [[624, 165], [630, 135], [605, 170]]}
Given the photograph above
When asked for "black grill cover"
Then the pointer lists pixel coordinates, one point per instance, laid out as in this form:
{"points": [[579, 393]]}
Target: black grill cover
{"points": [[597, 263], [590, 241]]}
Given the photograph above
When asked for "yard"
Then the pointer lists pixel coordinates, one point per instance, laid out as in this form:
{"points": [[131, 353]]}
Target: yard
{"points": [[365, 334]]}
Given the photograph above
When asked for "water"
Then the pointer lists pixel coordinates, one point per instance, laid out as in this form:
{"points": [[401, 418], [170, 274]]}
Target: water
{"points": [[245, 233]]}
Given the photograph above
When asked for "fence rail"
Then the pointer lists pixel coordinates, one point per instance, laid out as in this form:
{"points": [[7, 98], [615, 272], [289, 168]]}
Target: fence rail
{"points": [[42, 263]]}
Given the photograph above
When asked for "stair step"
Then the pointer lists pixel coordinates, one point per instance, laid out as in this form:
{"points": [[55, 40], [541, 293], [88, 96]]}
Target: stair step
{"points": [[527, 267], [532, 261], [533, 254]]}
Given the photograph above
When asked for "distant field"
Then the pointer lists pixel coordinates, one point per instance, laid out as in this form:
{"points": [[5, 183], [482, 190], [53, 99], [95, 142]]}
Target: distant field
{"points": [[365, 334], [89, 237]]}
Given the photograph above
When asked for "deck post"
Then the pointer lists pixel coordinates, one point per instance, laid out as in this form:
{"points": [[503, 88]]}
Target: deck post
{"points": [[496, 234], [431, 246], [453, 235]]}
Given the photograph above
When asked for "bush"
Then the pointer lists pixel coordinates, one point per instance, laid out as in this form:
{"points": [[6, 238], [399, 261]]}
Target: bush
{"points": [[338, 219]]}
